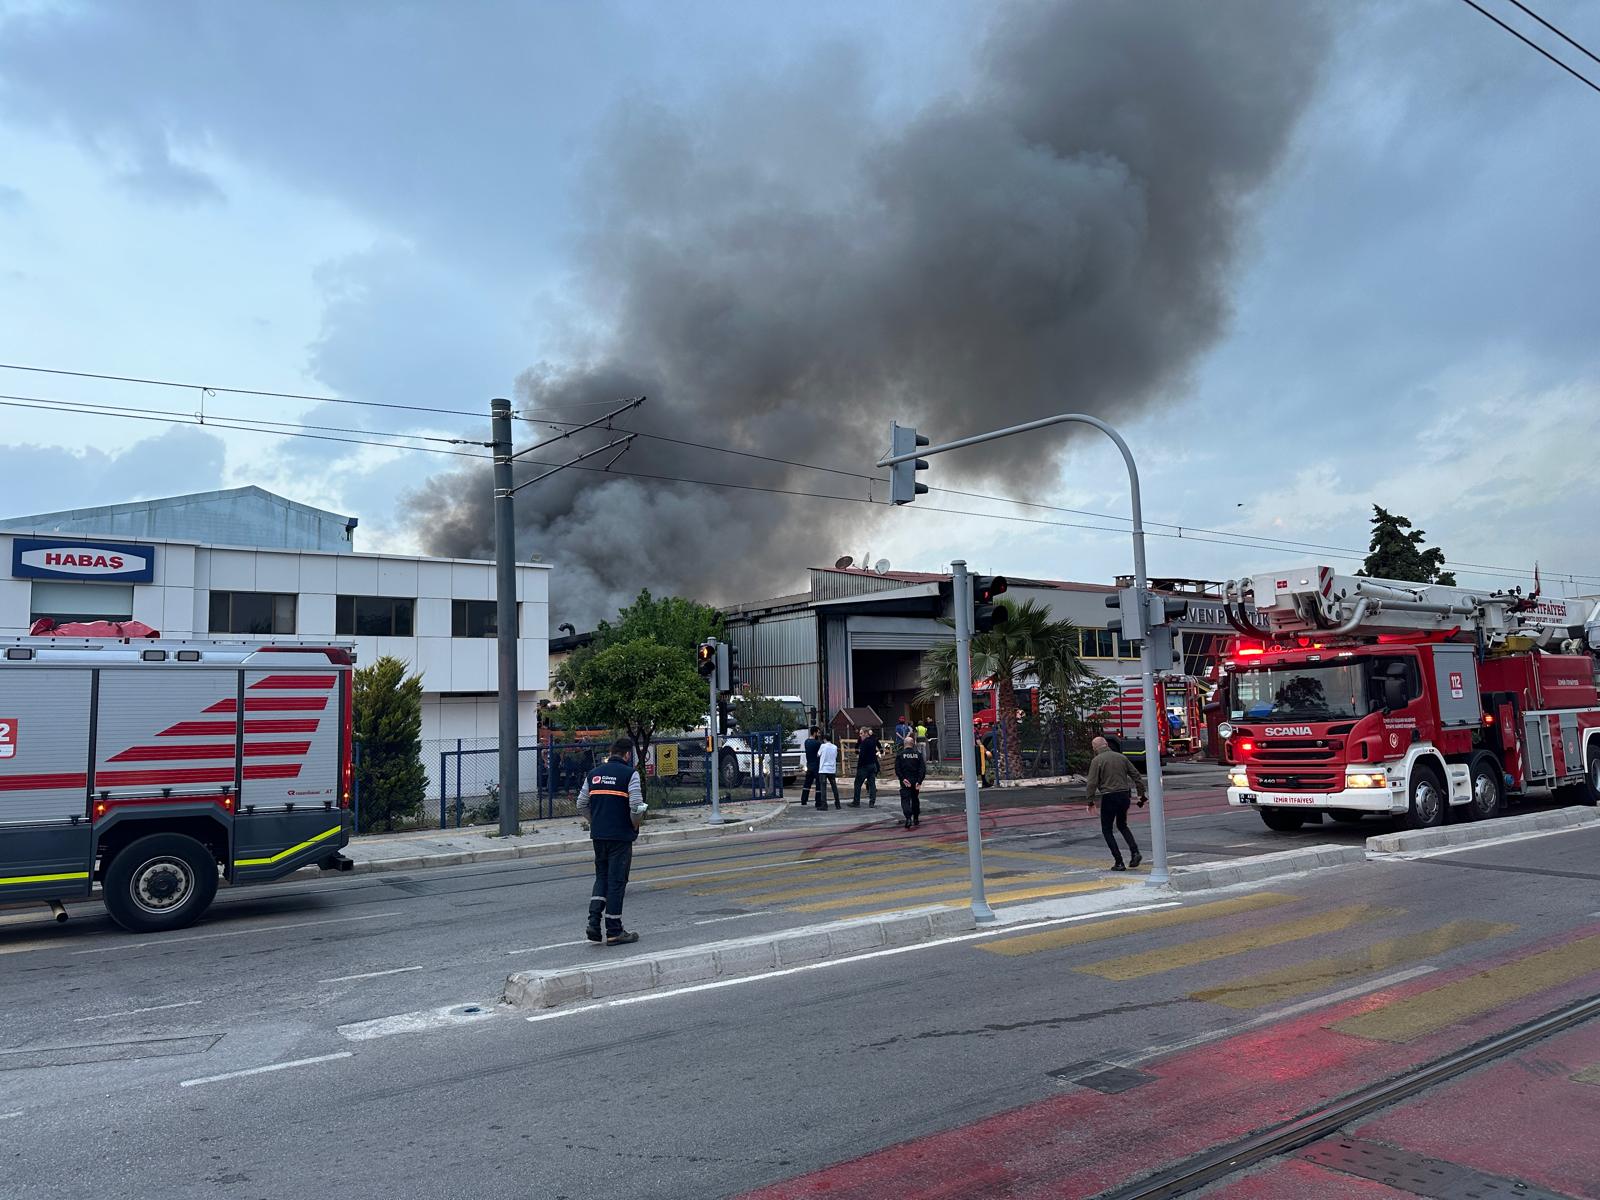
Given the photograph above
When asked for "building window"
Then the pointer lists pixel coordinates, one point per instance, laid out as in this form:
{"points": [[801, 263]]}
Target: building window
{"points": [[1097, 643], [62, 602], [475, 618], [374, 616], [252, 612]]}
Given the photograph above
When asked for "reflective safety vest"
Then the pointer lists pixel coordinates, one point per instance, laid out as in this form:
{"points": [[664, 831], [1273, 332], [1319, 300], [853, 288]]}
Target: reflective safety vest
{"points": [[610, 817]]}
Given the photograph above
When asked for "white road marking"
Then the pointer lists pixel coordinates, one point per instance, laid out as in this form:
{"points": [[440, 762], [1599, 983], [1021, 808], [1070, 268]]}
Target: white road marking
{"points": [[206, 937], [737, 917], [8, 1116], [283, 1066], [1278, 1014], [646, 997], [133, 1012], [1236, 845], [369, 975], [550, 946], [417, 1022]]}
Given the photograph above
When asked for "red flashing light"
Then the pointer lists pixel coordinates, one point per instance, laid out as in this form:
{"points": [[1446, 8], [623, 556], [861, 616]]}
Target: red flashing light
{"points": [[1488, 718], [1246, 747], [1253, 653]]}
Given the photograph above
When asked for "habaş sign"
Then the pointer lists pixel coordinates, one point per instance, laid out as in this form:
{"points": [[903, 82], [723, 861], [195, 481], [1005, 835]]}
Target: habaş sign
{"points": [[36, 558]]}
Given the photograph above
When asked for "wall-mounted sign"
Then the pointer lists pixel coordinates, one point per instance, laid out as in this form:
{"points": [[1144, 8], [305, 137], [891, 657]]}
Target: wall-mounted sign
{"points": [[42, 558]]}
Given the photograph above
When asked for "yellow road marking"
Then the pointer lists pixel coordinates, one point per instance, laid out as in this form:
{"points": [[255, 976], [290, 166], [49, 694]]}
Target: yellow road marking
{"points": [[1077, 935], [1588, 1075], [908, 876], [1188, 954], [1038, 893], [759, 879], [24, 947], [1270, 987], [283, 854], [1031, 855], [1451, 1003], [805, 870], [911, 893]]}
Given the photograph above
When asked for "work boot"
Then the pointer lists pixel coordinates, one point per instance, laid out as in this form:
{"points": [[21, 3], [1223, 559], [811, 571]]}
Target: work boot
{"points": [[1135, 860], [855, 804], [621, 938], [1119, 865]]}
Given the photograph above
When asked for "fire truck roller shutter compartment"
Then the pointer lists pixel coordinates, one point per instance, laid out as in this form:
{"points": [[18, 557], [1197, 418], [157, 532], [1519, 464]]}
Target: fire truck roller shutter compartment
{"points": [[1455, 677], [44, 759]]}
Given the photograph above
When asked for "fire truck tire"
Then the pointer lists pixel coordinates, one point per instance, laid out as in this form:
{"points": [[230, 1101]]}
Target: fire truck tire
{"points": [[1428, 799], [160, 882], [1282, 820], [728, 774], [1488, 788], [1589, 789]]}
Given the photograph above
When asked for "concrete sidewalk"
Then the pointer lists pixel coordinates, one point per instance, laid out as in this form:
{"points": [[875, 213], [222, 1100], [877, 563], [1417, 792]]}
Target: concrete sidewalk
{"points": [[560, 835]]}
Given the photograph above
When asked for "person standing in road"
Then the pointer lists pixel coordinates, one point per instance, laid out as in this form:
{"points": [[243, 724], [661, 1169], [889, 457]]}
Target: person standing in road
{"points": [[911, 768], [1112, 781], [866, 768], [813, 747], [827, 771], [611, 806]]}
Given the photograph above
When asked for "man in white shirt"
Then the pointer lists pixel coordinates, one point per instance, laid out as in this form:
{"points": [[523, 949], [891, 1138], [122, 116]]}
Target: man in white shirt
{"points": [[827, 771]]}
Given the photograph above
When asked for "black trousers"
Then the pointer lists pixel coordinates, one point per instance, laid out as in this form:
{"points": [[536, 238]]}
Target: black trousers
{"points": [[911, 803], [612, 859], [810, 782], [870, 778], [825, 780], [1114, 814]]}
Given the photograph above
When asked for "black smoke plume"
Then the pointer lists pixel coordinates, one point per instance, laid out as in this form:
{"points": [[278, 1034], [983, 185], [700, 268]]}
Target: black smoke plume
{"points": [[788, 265]]}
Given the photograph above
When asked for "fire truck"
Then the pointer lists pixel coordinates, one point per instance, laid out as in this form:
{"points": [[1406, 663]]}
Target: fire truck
{"points": [[152, 768], [1349, 696], [1179, 704]]}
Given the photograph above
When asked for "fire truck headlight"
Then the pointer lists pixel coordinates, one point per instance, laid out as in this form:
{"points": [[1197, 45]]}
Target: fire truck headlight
{"points": [[1239, 779], [1366, 779]]}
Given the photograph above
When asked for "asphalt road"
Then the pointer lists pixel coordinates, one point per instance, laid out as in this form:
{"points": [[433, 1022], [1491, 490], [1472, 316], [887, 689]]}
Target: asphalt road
{"points": [[118, 1055]]}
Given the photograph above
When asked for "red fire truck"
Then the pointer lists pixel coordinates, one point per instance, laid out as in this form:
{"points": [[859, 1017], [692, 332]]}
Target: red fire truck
{"points": [[1348, 696], [152, 767], [1179, 701]]}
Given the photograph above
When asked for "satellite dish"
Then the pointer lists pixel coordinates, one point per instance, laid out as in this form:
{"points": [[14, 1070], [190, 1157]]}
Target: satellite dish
{"points": [[881, 567], [844, 561]]}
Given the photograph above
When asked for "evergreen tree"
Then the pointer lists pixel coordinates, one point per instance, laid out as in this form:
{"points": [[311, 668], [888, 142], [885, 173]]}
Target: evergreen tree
{"points": [[388, 725], [1397, 553]]}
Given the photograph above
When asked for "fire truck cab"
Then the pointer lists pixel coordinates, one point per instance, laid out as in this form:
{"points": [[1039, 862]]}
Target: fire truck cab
{"points": [[154, 768], [1349, 696]]}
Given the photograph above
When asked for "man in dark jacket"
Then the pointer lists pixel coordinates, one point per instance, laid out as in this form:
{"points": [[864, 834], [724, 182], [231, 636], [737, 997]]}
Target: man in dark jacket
{"points": [[813, 748], [911, 768], [1112, 780], [866, 768], [611, 806]]}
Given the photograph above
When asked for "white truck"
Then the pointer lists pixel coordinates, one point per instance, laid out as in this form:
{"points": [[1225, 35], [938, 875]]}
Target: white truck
{"points": [[737, 761], [153, 768]]}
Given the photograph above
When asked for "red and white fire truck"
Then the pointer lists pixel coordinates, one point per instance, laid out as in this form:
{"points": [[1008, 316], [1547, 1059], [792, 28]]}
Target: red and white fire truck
{"points": [[1349, 696], [1179, 702], [152, 767]]}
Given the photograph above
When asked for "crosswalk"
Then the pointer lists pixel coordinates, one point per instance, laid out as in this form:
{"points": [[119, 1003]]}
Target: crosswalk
{"points": [[865, 881]]}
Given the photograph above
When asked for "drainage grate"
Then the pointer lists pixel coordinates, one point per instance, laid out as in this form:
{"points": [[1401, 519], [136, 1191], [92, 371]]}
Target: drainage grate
{"points": [[1417, 1174]]}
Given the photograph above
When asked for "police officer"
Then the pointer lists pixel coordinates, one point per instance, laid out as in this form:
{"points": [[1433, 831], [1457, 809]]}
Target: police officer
{"points": [[611, 805], [910, 768]]}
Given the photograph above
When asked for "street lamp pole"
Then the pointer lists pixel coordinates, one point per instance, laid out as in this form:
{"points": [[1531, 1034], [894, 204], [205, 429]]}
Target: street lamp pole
{"points": [[1147, 665], [961, 589]]}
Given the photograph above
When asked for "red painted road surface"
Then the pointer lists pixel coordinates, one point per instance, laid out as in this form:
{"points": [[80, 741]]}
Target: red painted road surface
{"points": [[1083, 1143]]}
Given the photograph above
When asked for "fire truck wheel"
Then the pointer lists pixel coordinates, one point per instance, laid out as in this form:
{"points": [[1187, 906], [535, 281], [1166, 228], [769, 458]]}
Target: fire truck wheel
{"points": [[1488, 790], [160, 882], [728, 774], [1590, 787], [1427, 800], [1282, 820]]}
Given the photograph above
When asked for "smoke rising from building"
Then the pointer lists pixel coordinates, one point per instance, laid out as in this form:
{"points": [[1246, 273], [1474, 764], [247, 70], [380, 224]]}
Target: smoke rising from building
{"points": [[783, 268]]}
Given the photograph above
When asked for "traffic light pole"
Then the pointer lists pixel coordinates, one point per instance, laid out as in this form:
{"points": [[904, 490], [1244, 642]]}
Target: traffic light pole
{"points": [[714, 760], [961, 586], [505, 580], [1159, 875]]}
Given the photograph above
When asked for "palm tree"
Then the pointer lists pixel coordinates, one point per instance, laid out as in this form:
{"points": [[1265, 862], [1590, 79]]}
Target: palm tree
{"points": [[1028, 643]]}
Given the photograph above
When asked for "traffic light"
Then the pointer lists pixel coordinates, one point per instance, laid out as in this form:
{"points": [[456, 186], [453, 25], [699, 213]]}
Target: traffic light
{"points": [[1130, 626], [705, 658], [986, 612], [1166, 609], [903, 485], [727, 667]]}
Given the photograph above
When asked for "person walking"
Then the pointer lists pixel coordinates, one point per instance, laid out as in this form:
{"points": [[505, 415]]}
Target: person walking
{"points": [[933, 740], [813, 748], [981, 756], [611, 806], [827, 771], [911, 768], [866, 768], [1112, 780]]}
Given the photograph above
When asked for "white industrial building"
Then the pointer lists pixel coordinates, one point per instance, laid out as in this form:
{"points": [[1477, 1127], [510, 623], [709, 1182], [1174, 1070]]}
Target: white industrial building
{"points": [[246, 563]]}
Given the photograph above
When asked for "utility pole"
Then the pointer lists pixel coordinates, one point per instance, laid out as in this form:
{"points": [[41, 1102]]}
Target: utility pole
{"points": [[505, 585], [961, 589], [505, 588], [904, 488], [714, 760]]}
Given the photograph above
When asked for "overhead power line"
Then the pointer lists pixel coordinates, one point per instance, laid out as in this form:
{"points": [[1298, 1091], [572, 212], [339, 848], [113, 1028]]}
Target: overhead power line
{"points": [[1576, 45], [1578, 75]]}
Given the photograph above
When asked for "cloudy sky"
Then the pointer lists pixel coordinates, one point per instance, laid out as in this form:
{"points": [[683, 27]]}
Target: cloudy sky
{"points": [[1307, 259]]}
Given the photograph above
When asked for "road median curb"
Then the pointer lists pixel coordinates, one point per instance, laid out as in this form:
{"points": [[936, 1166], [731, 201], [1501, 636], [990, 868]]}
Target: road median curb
{"points": [[739, 958], [1481, 831], [1204, 876]]}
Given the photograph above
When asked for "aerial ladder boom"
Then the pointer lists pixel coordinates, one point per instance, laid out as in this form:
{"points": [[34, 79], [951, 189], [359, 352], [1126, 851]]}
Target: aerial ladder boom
{"points": [[1318, 601]]}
